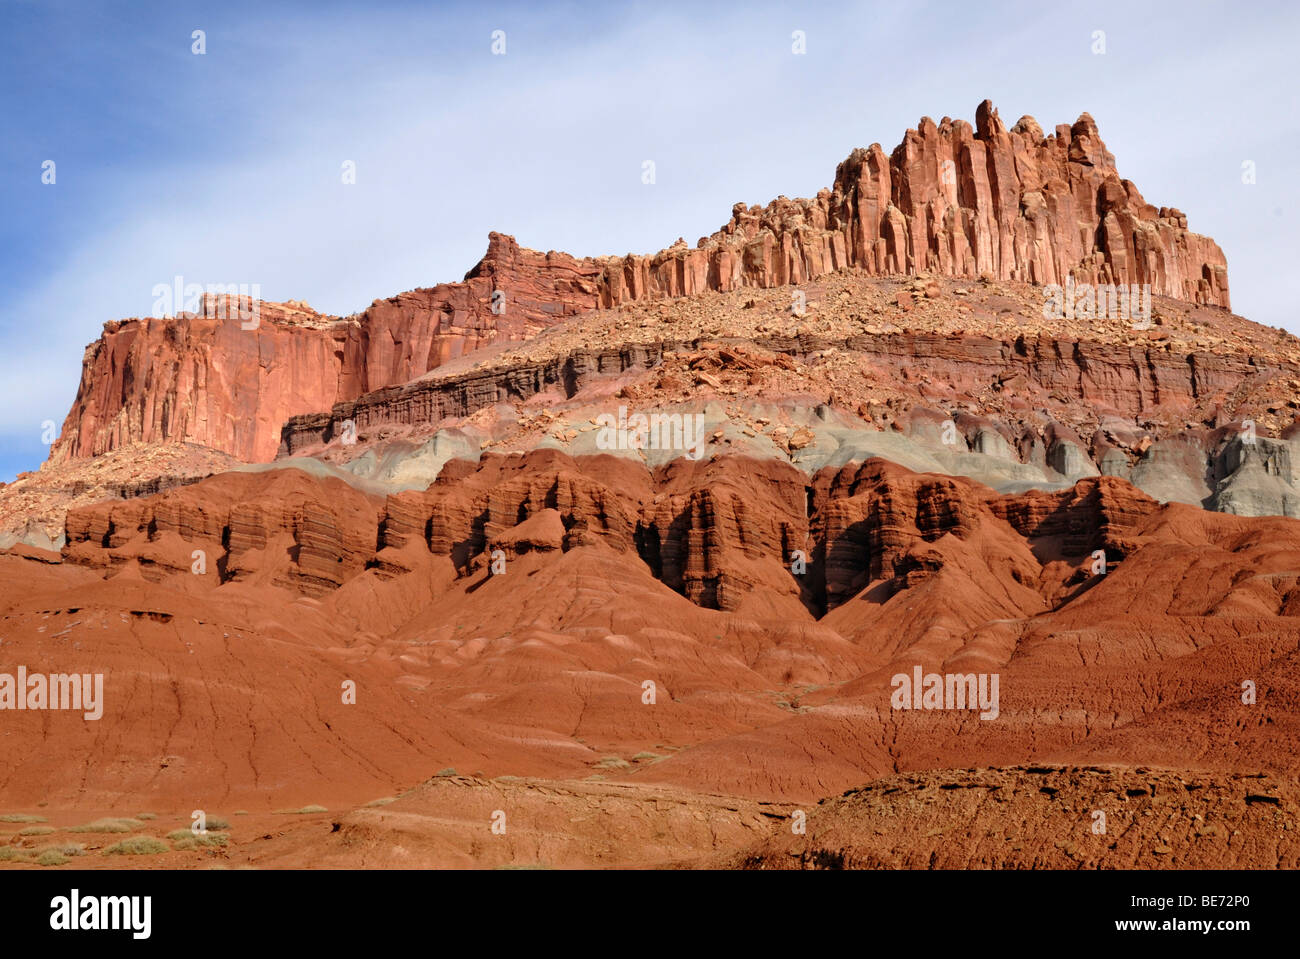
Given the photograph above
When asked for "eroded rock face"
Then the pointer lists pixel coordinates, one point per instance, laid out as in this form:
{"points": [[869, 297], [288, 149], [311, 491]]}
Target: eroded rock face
{"points": [[511, 294], [202, 380], [282, 527], [217, 379], [1127, 381], [951, 199], [1052, 409], [958, 201], [237, 668], [720, 532], [33, 507]]}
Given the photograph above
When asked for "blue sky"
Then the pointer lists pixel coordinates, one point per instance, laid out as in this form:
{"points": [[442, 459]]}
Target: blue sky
{"points": [[225, 167]]}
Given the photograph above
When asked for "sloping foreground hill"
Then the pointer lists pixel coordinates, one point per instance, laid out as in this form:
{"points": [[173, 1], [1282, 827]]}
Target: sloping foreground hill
{"points": [[225, 684], [1063, 817], [1043, 817]]}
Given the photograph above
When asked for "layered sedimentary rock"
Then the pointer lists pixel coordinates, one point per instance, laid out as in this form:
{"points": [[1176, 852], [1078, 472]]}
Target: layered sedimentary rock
{"points": [[952, 199], [511, 294], [306, 534], [219, 679], [201, 379], [32, 508], [901, 569], [227, 380], [718, 532], [1123, 380], [1032, 400]]}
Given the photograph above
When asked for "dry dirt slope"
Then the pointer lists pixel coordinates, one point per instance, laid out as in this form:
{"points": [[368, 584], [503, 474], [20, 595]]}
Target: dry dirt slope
{"points": [[1047, 817]]}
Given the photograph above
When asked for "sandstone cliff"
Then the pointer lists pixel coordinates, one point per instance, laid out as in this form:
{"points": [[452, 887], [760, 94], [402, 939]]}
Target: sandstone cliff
{"points": [[951, 199], [956, 201], [204, 378]]}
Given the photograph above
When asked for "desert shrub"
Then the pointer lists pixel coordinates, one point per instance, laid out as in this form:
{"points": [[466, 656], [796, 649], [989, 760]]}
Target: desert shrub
{"points": [[66, 849], [108, 825], [137, 846], [185, 840]]}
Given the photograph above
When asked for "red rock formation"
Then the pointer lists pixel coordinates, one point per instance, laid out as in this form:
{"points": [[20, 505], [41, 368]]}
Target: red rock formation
{"points": [[1010, 203], [956, 201], [226, 682], [206, 379], [200, 380], [1127, 380], [399, 338], [310, 535], [721, 532]]}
